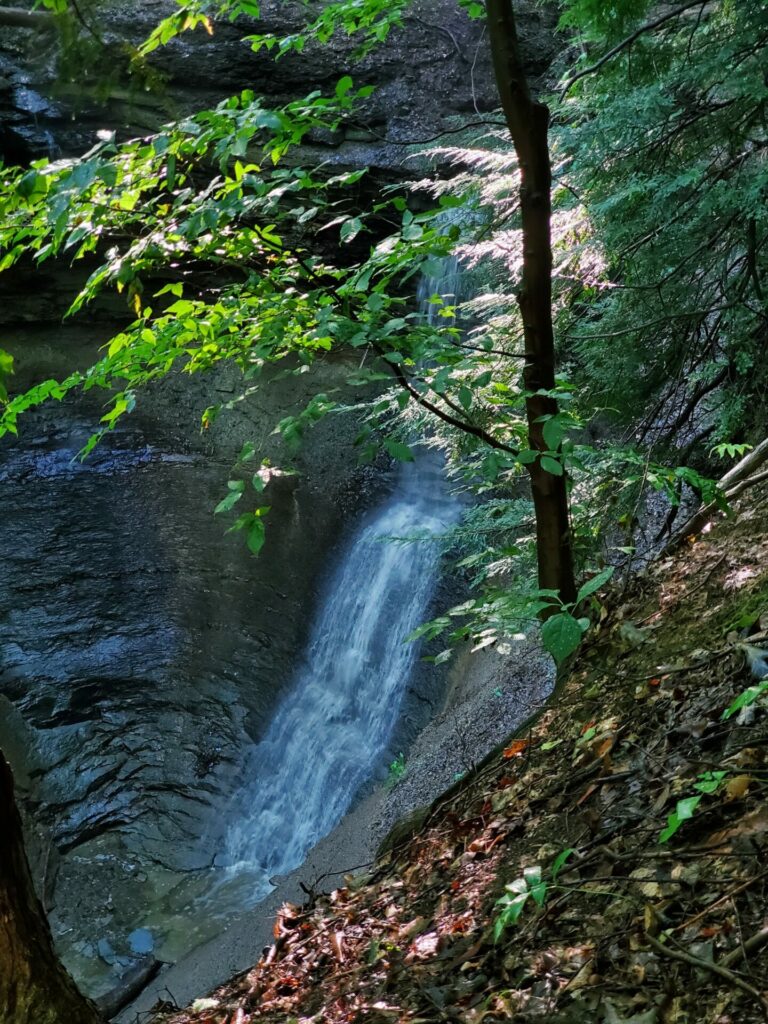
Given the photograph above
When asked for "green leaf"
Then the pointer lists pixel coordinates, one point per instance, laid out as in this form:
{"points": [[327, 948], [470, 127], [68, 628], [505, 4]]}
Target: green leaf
{"points": [[560, 861], [511, 909], [6, 363], [32, 185], [745, 698], [673, 824], [536, 886], [170, 172], [684, 810], [553, 433], [236, 489], [561, 635], [551, 465], [350, 229], [594, 584], [398, 451], [180, 308], [343, 86], [551, 744], [709, 781], [247, 452], [174, 288], [429, 629], [256, 535], [108, 174], [208, 416]]}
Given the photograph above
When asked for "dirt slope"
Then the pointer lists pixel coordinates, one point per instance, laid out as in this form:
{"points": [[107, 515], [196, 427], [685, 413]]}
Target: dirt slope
{"points": [[613, 925]]}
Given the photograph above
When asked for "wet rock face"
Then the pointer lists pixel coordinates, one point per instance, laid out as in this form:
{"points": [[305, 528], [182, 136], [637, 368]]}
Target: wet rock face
{"points": [[142, 648], [436, 66]]}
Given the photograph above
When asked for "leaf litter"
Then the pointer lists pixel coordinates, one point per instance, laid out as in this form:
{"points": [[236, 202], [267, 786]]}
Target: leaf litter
{"points": [[608, 865]]}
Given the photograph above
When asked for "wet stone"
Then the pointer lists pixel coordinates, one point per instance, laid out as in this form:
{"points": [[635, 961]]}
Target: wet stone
{"points": [[141, 941]]}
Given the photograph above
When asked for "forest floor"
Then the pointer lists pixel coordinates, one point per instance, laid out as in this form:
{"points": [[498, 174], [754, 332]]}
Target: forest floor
{"points": [[625, 834]]}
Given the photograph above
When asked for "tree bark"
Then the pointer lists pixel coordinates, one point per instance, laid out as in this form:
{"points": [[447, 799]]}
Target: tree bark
{"points": [[34, 987], [528, 122], [17, 18]]}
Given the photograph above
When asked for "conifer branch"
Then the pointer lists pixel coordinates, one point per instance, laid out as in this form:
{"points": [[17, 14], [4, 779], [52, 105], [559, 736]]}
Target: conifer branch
{"points": [[619, 47]]}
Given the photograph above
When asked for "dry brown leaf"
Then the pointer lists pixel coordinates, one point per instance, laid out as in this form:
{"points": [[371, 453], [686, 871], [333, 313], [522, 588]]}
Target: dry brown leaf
{"points": [[337, 945], [737, 787], [423, 946], [586, 794]]}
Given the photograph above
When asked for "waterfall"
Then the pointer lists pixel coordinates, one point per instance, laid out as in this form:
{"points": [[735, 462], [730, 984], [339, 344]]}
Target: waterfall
{"points": [[330, 733], [446, 283]]}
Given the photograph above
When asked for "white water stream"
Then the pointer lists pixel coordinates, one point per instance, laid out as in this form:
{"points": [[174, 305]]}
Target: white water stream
{"points": [[330, 733]]}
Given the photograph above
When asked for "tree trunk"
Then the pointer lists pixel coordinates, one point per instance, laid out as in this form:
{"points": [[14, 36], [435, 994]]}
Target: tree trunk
{"points": [[528, 123], [34, 987]]}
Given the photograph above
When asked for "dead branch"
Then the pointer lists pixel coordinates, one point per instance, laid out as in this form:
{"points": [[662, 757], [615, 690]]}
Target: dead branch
{"points": [[13, 17], [705, 965]]}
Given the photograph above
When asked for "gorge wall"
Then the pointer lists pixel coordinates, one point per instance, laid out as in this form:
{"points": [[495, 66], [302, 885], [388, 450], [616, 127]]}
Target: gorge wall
{"points": [[143, 651], [431, 71]]}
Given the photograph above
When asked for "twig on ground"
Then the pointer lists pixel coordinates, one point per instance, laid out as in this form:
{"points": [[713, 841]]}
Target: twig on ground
{"points": [[751, 945], [705, 965], [722, 899]]}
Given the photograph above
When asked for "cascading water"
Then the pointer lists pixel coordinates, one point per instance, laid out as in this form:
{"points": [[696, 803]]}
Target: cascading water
{"points": [[328, 736], [446, 284], [330, 733]]}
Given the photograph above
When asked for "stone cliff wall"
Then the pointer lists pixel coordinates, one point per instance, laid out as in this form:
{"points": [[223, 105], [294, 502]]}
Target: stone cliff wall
{"points": [[433, 69]]}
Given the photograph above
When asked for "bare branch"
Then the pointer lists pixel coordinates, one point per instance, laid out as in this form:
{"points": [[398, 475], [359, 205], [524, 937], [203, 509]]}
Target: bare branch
{"points": [[14, 17], [467, 428]]}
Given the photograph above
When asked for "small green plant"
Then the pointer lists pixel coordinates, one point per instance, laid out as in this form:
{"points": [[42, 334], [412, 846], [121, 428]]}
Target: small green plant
{"points": [[730, 451], [561, 633], [512, 903], [397, 770], [707, 783], [745, 698], [533, 886]]}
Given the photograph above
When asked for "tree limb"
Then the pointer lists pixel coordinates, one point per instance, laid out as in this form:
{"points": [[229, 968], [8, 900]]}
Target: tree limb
{"points": [[648, 27], [14, 17], [467, 428], [736, 480]]}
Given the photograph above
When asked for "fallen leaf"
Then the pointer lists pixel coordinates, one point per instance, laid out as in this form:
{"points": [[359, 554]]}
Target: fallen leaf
{"points": [[337, 945], [515, 749], [201, 1005], [604, 747], [737, 787], [423, 946], [586, 794]]}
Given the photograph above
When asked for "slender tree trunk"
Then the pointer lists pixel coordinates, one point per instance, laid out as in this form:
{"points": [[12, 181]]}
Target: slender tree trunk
{"points": [[34, 987], [528, 123]]}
